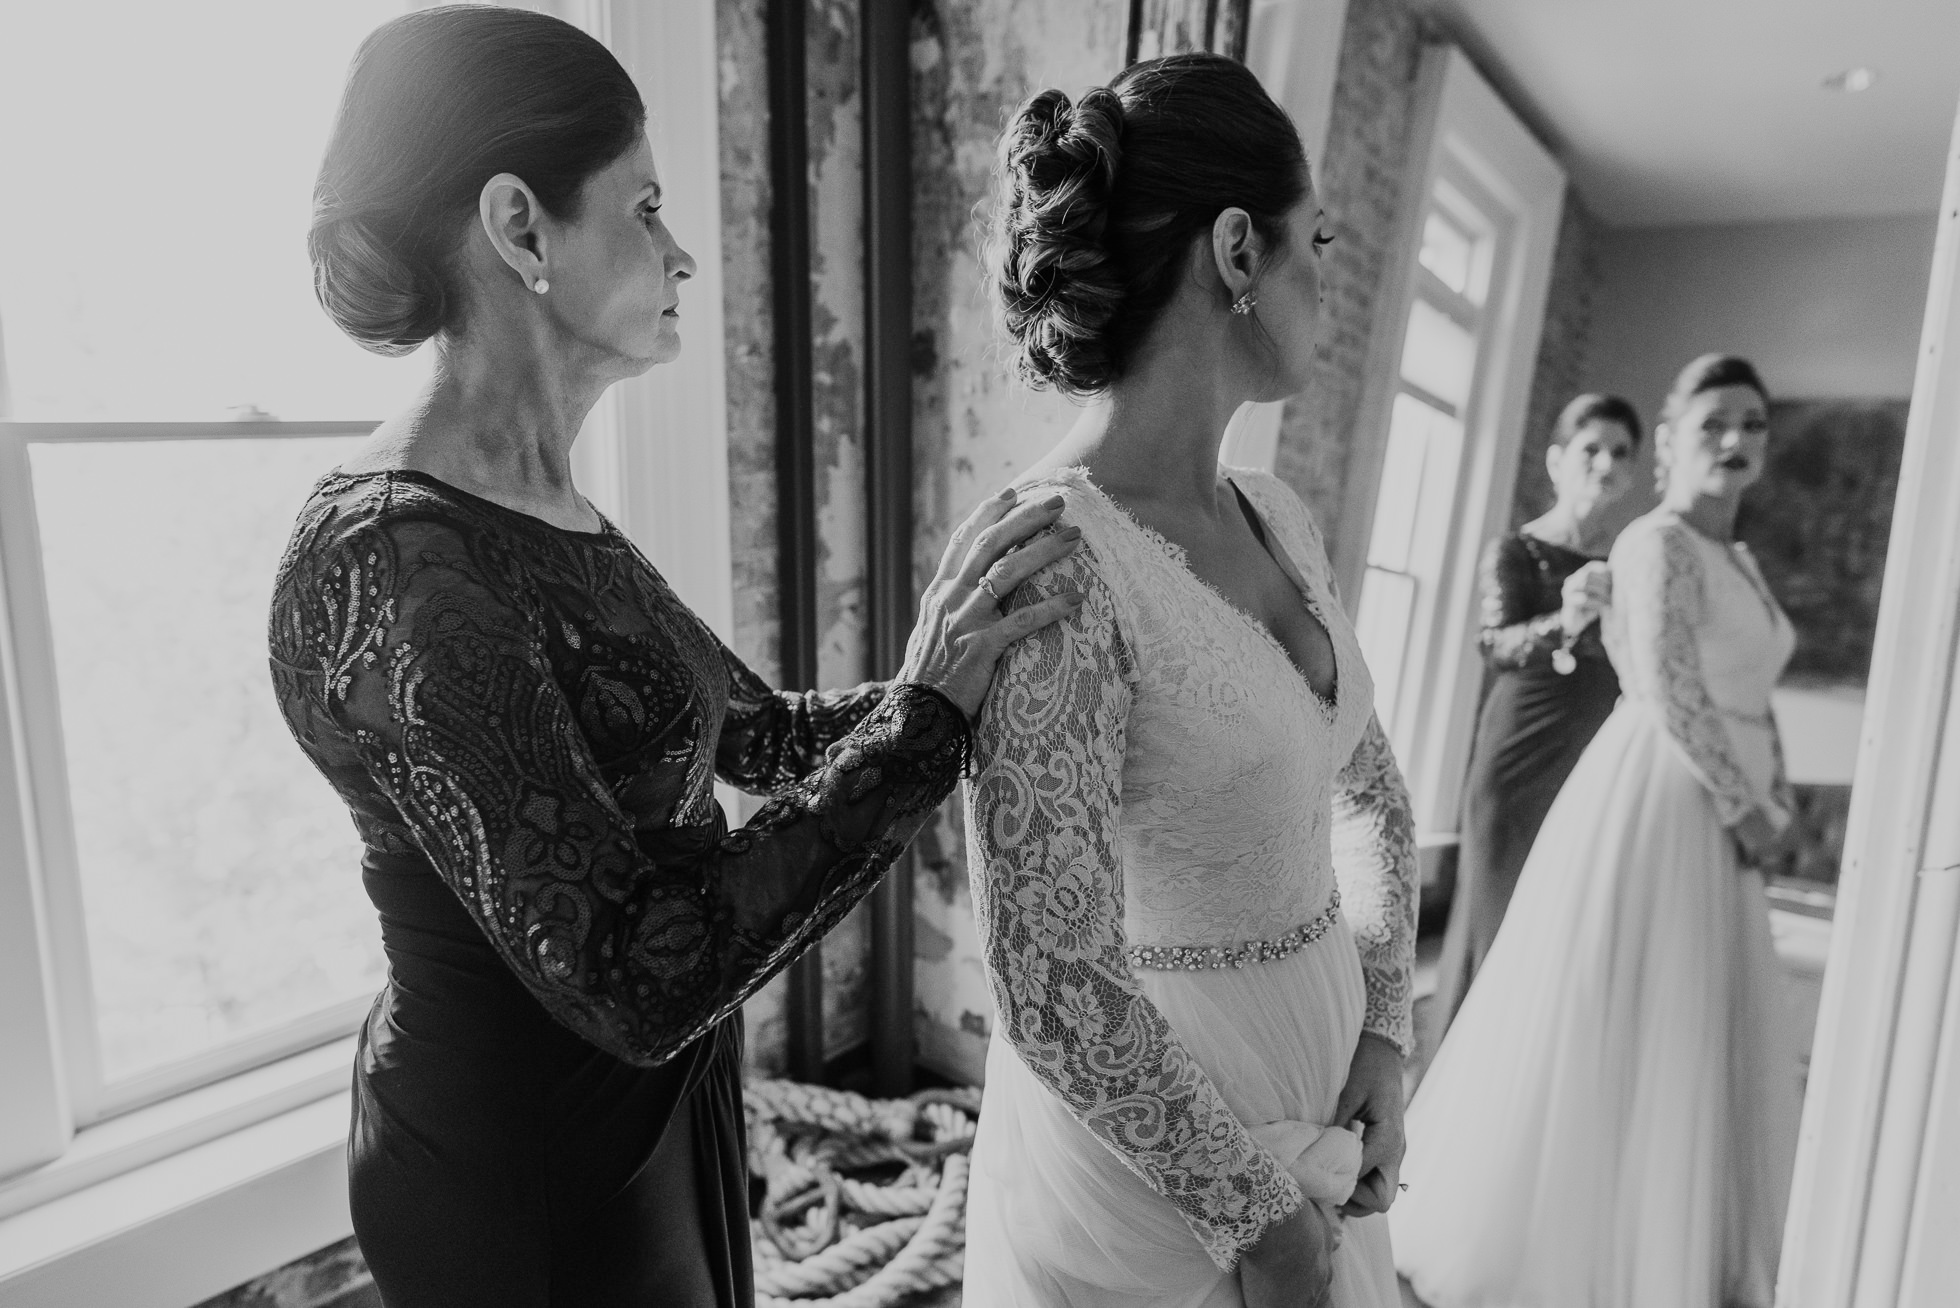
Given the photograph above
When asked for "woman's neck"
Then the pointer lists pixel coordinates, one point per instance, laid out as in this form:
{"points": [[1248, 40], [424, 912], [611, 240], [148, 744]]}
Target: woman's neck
{"points": [[1574, 526], [1154, 437], [1712, 516]]}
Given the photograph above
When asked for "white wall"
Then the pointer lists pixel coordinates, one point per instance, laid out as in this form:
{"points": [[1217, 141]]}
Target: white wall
{"points": [[1827, 308]]}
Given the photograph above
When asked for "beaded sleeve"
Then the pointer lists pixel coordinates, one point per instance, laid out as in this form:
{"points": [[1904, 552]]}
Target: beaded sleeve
{"points": [[1513, 634], [771, 738], [1379, 874], [428, 670], [1657, 586], [1043, 808]]}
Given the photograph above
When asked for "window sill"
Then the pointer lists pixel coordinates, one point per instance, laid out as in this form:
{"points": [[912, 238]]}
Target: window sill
{"points": [[164, 1207]]}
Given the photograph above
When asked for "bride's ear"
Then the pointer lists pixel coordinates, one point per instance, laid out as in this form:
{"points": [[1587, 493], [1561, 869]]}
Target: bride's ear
{"points": [[1235, 251]]}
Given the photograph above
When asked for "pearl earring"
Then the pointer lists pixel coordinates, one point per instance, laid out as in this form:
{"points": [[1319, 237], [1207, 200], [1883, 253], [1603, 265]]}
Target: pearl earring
{"points": [[540, 286], [1243, 305]]}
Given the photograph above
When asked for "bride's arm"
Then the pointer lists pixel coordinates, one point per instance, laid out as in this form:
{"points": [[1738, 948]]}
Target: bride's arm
{"points": [[1376, 866], [1048, 894], [1657, 585]]}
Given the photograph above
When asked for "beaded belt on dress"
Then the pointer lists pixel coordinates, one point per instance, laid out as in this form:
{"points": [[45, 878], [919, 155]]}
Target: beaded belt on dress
{"points": [[1199, 958]]}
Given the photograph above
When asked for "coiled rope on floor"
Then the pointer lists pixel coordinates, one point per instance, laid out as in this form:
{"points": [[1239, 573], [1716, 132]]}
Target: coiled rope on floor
{"points": [[865, 1202]]}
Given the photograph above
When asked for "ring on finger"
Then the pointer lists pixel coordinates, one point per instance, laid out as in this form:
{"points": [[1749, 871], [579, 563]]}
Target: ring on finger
{"points": [[986, 583]]}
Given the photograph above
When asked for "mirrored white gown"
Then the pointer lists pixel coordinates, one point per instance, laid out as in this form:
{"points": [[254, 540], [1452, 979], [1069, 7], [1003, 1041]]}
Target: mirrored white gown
{"points": [[1611, 1121], [1195, 886]]}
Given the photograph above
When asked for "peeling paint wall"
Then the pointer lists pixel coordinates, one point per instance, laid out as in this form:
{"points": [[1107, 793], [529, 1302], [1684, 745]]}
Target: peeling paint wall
{"points": [[837, 323], [1564, 351], [973, 63]]}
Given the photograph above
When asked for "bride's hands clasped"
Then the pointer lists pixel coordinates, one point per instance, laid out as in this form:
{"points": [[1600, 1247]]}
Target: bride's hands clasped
{"points": [[962, 630]]}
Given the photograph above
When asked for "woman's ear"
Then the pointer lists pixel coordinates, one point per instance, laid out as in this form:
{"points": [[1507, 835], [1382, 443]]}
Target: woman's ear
{"points": [[511, 218], [1554, 455], [1235, 251]]}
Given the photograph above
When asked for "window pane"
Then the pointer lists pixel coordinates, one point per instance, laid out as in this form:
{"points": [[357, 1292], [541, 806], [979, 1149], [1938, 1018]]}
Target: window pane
{"points": [[164, 156], [1438, 354], [220, 876], [1447, 251], [1388, 603], [1407, 487]]}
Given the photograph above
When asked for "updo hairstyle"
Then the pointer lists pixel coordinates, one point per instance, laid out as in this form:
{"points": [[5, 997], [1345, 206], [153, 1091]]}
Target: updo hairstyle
{"points": [[438, 102], [1584, 410], [1710, 372], [1098, 201]]}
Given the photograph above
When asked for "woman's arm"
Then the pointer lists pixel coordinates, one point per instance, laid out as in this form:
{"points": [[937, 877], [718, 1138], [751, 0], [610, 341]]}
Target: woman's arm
{"points": [[770, 737], [432, 660], [1514, 634], [1048, 895], [1380, 878], [1657, 586]]}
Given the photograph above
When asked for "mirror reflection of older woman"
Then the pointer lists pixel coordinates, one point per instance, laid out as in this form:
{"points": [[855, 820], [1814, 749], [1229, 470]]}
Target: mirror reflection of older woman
{"points": [[526, 722], [1543, 588]]}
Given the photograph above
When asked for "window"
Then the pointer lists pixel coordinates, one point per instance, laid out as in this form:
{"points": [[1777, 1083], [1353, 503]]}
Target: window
{"points": [[173, 390], [1446, 396]]}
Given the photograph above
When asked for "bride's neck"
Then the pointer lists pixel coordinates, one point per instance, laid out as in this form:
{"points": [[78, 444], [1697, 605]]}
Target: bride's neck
{"points": [[1154, 436]]}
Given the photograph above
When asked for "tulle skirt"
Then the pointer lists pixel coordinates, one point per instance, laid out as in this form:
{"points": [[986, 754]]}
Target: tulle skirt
{"points": [[1055, 1220], [1611, 1121]]}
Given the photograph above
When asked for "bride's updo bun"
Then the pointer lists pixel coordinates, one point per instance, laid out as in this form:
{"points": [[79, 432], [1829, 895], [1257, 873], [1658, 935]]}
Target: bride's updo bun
{"points": [[437, 103], [1098, 200]]}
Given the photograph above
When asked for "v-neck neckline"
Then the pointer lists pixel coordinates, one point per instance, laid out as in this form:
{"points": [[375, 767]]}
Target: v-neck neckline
{"points": [[1329, 704], [1741, 558]]}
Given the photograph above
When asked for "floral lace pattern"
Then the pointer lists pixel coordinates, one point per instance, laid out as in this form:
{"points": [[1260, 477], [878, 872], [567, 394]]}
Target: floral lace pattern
{"points": [[538, 715], [1655, 633], [1155, 770]]}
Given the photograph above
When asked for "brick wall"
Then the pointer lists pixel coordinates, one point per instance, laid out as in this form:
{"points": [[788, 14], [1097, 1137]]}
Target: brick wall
{"points": [[1359, 182]]}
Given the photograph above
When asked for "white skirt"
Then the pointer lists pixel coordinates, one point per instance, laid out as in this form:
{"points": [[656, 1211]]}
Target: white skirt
{"points": [[1054, 1218], [1611, 1120]]}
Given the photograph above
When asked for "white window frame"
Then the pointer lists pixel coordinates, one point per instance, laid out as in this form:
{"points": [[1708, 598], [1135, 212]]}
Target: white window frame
{"points": [[181, 1186], [1465, 135]]}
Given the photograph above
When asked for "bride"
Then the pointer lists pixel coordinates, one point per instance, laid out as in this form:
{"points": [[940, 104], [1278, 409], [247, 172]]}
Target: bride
{"points": [[1612, 1118], [1192, 854]]}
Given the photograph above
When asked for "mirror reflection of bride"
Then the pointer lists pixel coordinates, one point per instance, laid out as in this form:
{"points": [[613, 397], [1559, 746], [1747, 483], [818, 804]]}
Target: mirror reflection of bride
{"points": [[1612, 1117]]}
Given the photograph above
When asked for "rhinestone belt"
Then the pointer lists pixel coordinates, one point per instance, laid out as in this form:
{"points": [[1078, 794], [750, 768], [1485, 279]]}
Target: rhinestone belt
{"points": [[1199, 958]]}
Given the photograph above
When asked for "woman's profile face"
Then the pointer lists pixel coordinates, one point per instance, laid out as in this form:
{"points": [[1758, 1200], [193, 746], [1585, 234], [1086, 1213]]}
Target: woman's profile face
{"points": [[1718, 446], [616, 271], [1594, 468], [1290, 300]]}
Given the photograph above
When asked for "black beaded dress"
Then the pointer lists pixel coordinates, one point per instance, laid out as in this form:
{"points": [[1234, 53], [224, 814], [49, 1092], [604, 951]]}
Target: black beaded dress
{"points": [[526, 724], [1535, 723]]}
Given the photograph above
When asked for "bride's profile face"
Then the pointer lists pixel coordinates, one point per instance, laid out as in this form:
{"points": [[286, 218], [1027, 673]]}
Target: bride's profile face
{"points": [[1290, 298], [1719, 444]]}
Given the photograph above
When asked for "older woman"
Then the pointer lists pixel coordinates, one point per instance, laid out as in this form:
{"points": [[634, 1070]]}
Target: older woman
{"points": [[1552, 684], [1612, 1117], [526, 723]]}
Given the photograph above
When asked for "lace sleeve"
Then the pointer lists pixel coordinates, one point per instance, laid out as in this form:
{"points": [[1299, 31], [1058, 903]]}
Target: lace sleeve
{"points": [[1048, 894], [1377, 869], [434, 663], [1657, 586], [1513, 633], [770, 738]]}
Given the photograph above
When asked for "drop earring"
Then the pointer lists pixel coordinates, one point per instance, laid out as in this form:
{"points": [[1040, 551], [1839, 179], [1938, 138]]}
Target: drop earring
{"points": [[540, 286], [1243, 305]]}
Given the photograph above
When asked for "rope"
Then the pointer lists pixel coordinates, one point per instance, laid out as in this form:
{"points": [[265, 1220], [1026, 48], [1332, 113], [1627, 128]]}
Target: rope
{"points": [[831, 1240]]}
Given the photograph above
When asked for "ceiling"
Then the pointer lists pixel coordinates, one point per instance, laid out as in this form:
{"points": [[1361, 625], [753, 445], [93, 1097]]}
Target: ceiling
{"points": [[1675, 112]]}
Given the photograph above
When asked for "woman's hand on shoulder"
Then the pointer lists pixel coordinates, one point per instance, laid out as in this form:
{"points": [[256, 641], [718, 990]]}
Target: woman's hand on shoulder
{"points": [[962, 632], [1292, 1266]]}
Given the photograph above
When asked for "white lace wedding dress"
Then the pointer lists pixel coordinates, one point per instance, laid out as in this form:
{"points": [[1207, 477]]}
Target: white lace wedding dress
{"points": [[1195, 885], [1611, 1120]]}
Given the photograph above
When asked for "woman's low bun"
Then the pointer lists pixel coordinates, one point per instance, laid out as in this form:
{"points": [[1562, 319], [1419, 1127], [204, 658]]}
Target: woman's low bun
{"points": [[386, 302], [1057, 282]]}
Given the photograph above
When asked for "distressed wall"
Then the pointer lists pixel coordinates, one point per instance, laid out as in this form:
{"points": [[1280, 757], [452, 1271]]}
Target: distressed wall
{"points": [[837, 321]]}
